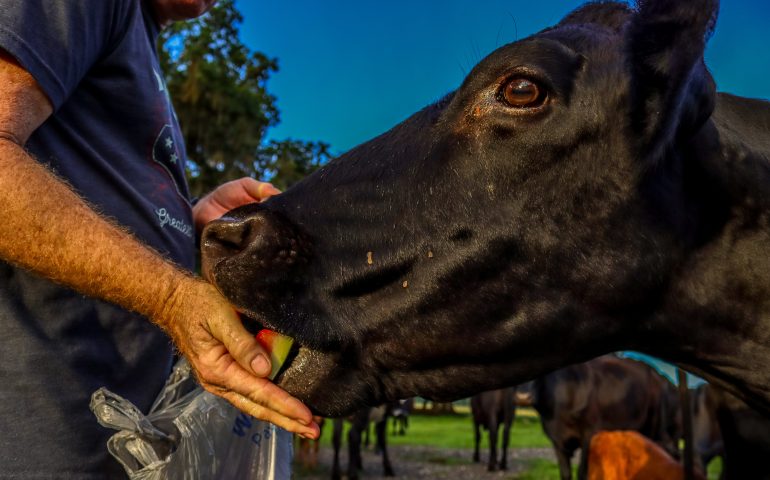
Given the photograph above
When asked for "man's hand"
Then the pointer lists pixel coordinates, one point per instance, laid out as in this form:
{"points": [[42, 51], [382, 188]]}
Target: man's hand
{"points": [[228, 196], [227, 359]]}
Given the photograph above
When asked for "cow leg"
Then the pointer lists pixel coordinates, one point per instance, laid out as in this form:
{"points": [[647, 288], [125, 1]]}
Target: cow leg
{"points": [[492, 463], [564, 458], [299, 454], [337, 443], [585, 447], [504, 453], [313, 455], [354, 451], [366, 442], [476, 441], [381, 430], [377, 449]]}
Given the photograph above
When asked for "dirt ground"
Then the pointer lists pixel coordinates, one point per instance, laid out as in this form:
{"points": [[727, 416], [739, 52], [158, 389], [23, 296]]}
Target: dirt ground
{"points": [[412, 462]]}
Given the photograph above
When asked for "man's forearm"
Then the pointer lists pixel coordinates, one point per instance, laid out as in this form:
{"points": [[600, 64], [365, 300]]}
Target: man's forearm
{"points": [[47, 228]]}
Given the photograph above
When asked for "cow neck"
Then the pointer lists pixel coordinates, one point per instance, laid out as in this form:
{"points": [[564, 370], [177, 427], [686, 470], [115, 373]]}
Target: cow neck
{"points": [[716, 319]]}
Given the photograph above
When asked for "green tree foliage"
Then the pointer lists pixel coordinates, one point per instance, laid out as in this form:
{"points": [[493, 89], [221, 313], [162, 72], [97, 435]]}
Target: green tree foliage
{"points": [[286, 162], [219, 89]]}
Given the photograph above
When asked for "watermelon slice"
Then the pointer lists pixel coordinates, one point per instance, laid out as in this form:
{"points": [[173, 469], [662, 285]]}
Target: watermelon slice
{"points": [[277, 346]]}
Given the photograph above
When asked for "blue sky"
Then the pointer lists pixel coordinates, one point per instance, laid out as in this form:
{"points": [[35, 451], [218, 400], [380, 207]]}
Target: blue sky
{"points": [[350, 70]]}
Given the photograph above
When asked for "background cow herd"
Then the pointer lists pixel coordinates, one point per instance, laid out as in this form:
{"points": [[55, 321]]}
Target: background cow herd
{"points": [[620, 416]]}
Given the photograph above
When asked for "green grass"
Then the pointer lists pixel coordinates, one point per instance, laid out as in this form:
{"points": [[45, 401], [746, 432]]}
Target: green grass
{"points": [[540, 469], [456, 431], [715, 469]]}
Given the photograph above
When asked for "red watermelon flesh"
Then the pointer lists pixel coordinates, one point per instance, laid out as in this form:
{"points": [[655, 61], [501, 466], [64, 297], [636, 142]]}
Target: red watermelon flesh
{"points": [[277, 346]]}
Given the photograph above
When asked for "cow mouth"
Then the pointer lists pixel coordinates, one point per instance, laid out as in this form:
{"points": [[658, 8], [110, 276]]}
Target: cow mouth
{"points": [[330, 381], [256, 328]]}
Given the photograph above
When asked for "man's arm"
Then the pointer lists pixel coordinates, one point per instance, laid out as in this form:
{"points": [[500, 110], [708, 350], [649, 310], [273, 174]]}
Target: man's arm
{"points": [[47, 228]]}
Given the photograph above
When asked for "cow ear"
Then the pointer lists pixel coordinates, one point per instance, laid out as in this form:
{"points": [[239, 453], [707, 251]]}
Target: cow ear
{"points": [[611, 15], [672, 93]]}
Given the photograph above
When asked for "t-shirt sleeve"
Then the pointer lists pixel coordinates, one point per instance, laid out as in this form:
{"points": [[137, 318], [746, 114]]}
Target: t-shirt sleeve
{"points": [[59, 41]]}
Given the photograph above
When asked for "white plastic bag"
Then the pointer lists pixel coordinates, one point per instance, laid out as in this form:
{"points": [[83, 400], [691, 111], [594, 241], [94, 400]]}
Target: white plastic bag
{"points": [[191, 434]]}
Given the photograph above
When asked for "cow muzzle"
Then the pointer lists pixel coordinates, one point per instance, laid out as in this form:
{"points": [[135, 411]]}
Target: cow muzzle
{"points": [[255, 250]]}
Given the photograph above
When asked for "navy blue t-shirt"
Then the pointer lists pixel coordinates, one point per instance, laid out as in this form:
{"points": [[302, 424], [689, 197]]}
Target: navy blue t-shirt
{"points": [[115, 139], [114, 135]]}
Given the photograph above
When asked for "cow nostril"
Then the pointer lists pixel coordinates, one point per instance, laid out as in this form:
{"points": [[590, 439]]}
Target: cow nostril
{"points": [[227, 236], [254, 241]]}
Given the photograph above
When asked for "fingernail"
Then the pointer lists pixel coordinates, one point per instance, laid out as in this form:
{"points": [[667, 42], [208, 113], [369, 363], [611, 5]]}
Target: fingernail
{"points": [[260, 365]]}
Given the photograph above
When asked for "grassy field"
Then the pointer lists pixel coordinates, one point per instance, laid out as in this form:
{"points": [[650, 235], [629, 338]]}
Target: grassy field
{"points": [[456, 431]]}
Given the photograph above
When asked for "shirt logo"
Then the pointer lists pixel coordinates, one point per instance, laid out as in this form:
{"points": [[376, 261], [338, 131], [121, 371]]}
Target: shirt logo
{"points": [[165, 218]]}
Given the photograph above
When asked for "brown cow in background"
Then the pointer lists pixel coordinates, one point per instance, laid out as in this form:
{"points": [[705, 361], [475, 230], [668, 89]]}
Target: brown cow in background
{"points": [[629, 455], [606, 393]]}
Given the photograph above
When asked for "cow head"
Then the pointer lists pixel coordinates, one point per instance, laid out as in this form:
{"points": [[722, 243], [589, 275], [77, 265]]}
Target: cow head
{"points": [[527, 220]]}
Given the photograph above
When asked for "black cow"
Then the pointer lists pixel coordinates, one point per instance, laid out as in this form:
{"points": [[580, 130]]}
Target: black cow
{"points": [[400, 413], [745, 434], [359, 423], [607, 393], [585, 190], [490, 410]]}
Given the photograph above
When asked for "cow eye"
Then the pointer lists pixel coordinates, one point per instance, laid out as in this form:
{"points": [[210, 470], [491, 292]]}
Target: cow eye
{"points": [[522, 93]]}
